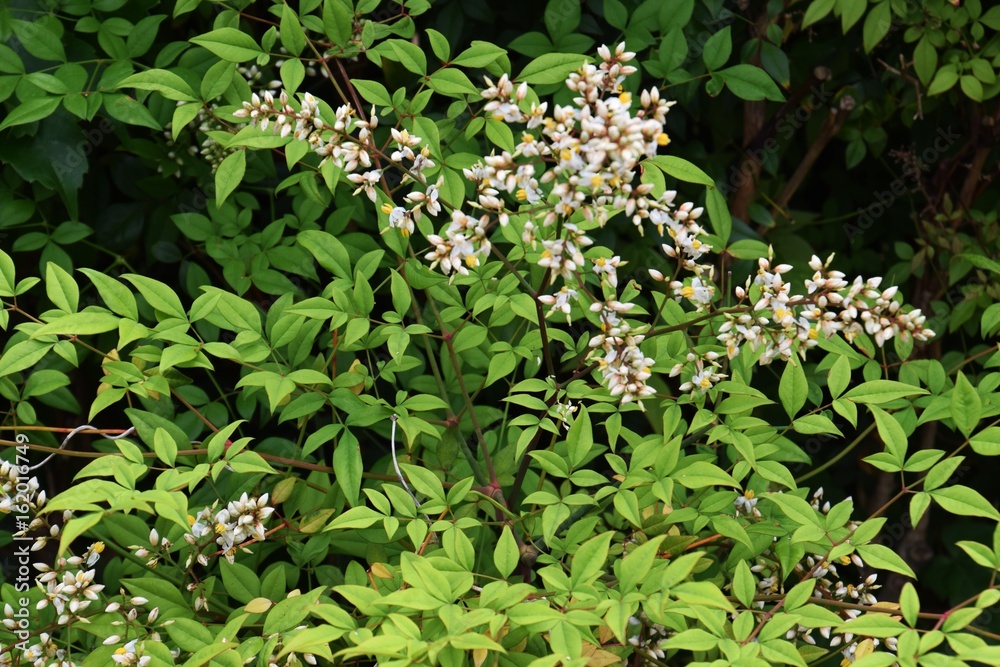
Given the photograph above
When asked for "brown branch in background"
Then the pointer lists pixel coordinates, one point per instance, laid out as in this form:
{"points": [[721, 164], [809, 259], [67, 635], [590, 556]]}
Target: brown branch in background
{"points": [[753, 122], [819, 76], [754, 119], [834, 121]]}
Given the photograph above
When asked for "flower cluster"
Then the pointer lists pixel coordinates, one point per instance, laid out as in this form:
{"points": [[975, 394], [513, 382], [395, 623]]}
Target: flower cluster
{"points": [[68, 587], [623, 366], [576, 166], [782, 324], [239, 521], [17, 490], [46, 653]]}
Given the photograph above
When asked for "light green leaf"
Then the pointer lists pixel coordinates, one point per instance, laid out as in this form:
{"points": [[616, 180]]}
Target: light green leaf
{"points": [[162, 81], [506, 554], [883, 558], [158, 295], [229, 175], [229, 44], [32, 110], [966, 406], [986, 442], [959, 499], [793, 388], [796, 509], [701, 474], [551, 68], [61, 289], [681, 169], [79, 324], [882, 391]]}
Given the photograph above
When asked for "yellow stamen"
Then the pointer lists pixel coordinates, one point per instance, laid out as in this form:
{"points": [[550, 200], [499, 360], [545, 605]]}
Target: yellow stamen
{"points": [[97, 547], [522, 195], [662, 139], [387, 208], [625, 98], [472, 261], [705, 383], [565, 155], [600, 261], [687, 291], [596, 180]]}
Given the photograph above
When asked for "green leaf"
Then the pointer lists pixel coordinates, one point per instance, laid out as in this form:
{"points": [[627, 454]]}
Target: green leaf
{"points": [[164, 446], [718, 214], [122, 107], [877, 24], [943, 81], [506, 554], [30, 111], [793, 388], [229, 175], [406, 53], [873, 624], [925, 60], [338, 21], [681, 169], [229, 44], [61, 289], [162, 81], [240, 581], [22, 356], [439, 44], [580, 438], [883, 558], [891, 432], [744, 584], [692, 639], [972, 88], [980, 553], [815, 424], [372, 91], [479, 54], [817, 10], [795, 508], [718, 48], [328, 250], [292, 36], [966, 406], [964, 501], [701, 474], [799, 594], [38, 37], [751, 83], [588, 561], [882, 391], [909, 603], [633, 571], [160, 296], [986, 442], [116, 296], [451, 82], [79, 324], [348, 466], [850, 12], [551, 68]]}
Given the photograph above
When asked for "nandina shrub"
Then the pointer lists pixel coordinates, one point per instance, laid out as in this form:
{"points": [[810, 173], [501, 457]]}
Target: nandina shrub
{"points": [[462, 379]]}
